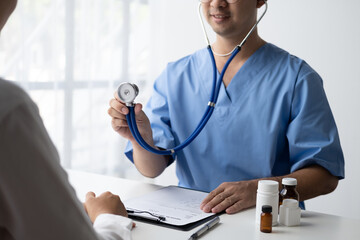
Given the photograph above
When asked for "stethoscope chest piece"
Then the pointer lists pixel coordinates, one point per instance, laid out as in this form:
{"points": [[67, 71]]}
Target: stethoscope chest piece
{"points": [[127, 93]]}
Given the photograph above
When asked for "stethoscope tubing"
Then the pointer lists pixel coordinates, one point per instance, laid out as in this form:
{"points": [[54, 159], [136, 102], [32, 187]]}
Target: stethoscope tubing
{"points": [[209, 110], [130, 117]]}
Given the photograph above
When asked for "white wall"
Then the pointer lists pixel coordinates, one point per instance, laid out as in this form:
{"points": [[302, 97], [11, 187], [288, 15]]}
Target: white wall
{"points": [[322, 32]]}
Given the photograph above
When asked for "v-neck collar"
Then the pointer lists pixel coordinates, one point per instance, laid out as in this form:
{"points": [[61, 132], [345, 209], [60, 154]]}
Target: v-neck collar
{"points": [[241, 82], [243, 78]]}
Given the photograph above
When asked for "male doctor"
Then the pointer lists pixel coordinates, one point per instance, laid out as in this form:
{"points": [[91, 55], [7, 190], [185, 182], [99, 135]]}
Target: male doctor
{"points": [[272, 118], [36, 199]]}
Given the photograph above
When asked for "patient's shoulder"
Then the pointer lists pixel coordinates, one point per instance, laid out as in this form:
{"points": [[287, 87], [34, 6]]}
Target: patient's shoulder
{"points": [[11, 96]]}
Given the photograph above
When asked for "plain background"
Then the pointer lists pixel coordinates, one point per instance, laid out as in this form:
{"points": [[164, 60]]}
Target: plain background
{"points": [[325, 33]]}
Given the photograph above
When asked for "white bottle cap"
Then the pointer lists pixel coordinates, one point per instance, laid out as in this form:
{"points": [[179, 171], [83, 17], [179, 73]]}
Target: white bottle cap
{"points": [[268, 186], [289, 181], [290, 203]]}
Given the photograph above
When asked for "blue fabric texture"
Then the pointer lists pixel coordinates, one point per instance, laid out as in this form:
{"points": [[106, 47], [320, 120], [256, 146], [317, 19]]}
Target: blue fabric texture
{"points": [[272, 119]]}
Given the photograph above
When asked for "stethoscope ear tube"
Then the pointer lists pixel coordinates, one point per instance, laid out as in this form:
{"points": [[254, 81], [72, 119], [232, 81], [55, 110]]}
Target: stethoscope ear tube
{"points": [[243, 41]]}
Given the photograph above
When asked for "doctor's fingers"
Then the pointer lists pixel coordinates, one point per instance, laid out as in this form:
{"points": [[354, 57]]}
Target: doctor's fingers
{"points": [[122, 108], [220, 203], [118, 123], [244, 193], [116, 114], [118, 106], [214, 193], [231, 204], [241, 204]]}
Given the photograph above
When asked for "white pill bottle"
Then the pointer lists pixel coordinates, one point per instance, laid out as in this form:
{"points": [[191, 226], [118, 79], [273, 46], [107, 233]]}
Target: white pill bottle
{"points": [[267, 194]]}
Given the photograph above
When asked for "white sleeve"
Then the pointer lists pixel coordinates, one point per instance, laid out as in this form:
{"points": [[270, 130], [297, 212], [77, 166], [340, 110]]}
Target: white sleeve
{"points": [[113, 227]]}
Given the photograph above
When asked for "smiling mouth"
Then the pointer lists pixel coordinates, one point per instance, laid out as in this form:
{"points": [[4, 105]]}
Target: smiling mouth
{"points": [[219, 16]]}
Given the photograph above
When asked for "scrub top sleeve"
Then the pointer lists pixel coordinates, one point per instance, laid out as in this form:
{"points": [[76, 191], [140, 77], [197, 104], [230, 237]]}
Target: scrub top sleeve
{"points": [[157, 110], [312, 133]]}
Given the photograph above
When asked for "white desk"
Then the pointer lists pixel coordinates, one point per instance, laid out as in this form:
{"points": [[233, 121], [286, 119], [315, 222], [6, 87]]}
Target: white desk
{"points": [[237, 226]]}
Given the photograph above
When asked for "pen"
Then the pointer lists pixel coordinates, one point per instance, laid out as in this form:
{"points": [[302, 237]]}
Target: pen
{"points": [[205, 228]]}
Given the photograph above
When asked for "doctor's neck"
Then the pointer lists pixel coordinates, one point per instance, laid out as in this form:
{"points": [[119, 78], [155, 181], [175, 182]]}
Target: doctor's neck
{"points": [[224, 45]]}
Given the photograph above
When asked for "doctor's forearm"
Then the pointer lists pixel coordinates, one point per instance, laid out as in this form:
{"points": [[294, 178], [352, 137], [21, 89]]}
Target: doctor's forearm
{"points": [[233, 197], [312, 181], [149, 164]]}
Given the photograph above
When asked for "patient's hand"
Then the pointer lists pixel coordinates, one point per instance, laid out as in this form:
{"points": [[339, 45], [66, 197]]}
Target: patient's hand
{"points": [[105, 203]]}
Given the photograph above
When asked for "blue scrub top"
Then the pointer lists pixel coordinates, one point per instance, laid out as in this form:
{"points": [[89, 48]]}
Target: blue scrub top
{"points": [[271, 120]]}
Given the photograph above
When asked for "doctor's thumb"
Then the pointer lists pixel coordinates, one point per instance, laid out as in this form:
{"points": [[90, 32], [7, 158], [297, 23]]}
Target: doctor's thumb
{"points": [[138, 108]]}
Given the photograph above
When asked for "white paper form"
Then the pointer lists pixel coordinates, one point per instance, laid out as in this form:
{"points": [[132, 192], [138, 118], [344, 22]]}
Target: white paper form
{"points": [[179, 206]]}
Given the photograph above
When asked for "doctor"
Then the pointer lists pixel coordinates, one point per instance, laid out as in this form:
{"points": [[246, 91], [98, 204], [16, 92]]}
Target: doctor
{"points": [[36, 199], [272, 119]]}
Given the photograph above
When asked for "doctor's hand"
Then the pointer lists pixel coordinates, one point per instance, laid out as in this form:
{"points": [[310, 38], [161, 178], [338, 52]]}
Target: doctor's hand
{"points": [[105, 203], [118, 112], [231, 197]]}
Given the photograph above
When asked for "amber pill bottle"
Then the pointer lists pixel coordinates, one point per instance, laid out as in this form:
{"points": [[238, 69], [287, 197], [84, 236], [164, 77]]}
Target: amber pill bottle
{"points": [[266, 219], [289, 190]]}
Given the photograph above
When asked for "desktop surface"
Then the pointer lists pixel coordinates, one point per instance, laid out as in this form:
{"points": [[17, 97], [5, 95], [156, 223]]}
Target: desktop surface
{"points": [[236, 226]]}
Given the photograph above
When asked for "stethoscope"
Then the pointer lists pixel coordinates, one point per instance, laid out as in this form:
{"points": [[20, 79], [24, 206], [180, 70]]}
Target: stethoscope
{"points": [[127, 93]]}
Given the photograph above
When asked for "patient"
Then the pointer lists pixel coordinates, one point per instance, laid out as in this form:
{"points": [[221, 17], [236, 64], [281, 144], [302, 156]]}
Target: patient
{"points": [[36, 199]]}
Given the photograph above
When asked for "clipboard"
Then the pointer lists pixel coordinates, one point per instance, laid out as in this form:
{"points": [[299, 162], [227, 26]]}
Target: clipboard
{"points": [[172, 206]]}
